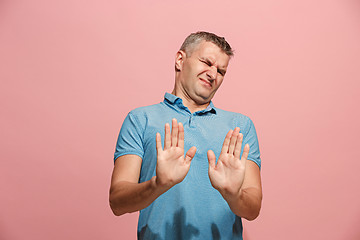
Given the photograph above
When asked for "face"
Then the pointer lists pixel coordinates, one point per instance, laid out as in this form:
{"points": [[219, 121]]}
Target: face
{"points": [[201, 74]]}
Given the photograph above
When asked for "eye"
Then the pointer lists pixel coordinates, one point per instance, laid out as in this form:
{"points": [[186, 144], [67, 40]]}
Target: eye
{"points": [[221, 72], [207, 63]]}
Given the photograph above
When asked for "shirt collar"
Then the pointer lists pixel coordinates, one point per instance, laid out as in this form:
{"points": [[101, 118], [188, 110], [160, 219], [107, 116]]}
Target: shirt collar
{"points": [[175, 100]]}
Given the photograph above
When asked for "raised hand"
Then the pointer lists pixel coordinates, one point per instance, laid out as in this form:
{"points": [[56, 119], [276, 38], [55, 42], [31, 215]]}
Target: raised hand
{"points": [[227, 175], [172, 166]]}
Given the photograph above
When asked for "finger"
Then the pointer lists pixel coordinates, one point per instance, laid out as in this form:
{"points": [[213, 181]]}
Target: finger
{"points": [[233, 140], [225, 147], [158, 142], [167, 141], [245, 153], [181, 136], [211, 158], [238, 146], [174, 133], [190, 154]]}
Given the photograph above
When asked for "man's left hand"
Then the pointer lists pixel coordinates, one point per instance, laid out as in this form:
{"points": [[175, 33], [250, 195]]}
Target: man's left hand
{"points": [[227, 175]]}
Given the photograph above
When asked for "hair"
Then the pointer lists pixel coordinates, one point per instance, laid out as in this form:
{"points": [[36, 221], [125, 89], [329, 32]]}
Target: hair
{"points": [[194, 39]]}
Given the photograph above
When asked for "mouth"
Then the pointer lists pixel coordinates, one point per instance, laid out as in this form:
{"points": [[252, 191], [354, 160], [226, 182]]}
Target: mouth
{"points": [[206, 83]]}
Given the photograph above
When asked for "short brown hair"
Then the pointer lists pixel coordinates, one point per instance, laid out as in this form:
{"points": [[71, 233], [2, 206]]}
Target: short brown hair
{"points": [[195, 38]]}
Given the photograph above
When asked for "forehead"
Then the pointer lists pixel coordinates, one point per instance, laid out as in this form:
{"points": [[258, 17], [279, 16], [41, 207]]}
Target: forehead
{"points": [[211, 52]]}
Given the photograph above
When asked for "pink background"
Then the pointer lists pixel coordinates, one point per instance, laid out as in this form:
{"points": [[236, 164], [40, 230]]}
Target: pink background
{"points": [[71, 70]]}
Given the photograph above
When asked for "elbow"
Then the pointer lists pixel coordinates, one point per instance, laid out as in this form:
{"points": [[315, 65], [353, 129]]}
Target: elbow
{"points": [[119, 207], [117, 213], [253, 207], [252, 216], [115, 202], [248, 214], [116, 210], [115, 207]]}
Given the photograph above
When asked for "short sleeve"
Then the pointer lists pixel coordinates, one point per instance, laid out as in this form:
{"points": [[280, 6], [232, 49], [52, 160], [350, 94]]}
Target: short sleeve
{"points": [[130, 140], [251, 139]]}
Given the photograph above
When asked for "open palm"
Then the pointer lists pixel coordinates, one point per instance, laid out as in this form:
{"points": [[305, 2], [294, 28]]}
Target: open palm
{"points": [[227, 175], [172, 165]]}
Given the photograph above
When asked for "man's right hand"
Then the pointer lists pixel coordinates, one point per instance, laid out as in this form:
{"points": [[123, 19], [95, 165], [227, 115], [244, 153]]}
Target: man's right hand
{"points": [[172, 165], [128, 195]]}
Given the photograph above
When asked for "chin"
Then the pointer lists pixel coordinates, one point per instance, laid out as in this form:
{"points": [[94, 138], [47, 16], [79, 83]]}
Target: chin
{"points": [[203, 96], [203, 99]]}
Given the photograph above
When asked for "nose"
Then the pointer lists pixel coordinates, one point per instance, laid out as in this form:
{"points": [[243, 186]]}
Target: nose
{"points": [[212, 73]]}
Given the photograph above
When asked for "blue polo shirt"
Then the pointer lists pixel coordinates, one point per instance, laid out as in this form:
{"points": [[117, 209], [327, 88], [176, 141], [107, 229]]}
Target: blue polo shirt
{"points": [[192, 209]]}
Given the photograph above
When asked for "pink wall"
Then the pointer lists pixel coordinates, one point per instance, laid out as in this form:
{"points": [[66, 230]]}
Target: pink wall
{"points": [[71, 70]]}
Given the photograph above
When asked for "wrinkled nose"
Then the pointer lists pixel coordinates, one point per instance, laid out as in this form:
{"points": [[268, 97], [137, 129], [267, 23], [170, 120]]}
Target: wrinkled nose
{"points": [[212, 73]]}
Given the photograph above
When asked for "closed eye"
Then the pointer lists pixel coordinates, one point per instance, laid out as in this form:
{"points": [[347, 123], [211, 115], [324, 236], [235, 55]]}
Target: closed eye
{"points": [[221, 72], [207, 63]]}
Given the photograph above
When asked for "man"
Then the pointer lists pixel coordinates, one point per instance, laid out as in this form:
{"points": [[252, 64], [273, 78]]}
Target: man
{"points": [[203, 193]]}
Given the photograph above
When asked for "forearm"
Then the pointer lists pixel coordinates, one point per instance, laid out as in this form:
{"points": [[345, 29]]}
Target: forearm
{"points": [[172, 165], [246, 204], [127, 197]]}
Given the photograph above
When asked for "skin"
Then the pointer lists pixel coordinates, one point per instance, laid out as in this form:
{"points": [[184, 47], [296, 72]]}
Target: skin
{"points": [[198, 77]]}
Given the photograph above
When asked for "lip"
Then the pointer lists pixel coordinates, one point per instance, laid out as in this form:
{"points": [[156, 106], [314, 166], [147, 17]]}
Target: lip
{"points": [[207, 83]]}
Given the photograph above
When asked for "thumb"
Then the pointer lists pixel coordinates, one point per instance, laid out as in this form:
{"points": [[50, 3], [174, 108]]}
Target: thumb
{"points": [[190, 154], [211, 158]]}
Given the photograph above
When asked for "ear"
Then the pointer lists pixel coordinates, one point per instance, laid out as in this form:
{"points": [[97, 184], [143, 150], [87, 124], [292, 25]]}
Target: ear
{"points": [[179, 60]]}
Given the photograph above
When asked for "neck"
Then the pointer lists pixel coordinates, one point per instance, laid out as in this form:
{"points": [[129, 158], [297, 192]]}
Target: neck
{"points": [[192, 105]]}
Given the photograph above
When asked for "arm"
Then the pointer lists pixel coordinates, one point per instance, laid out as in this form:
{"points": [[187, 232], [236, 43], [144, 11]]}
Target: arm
{"points": [[237, 180], [127, 195], [247, 203]]}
